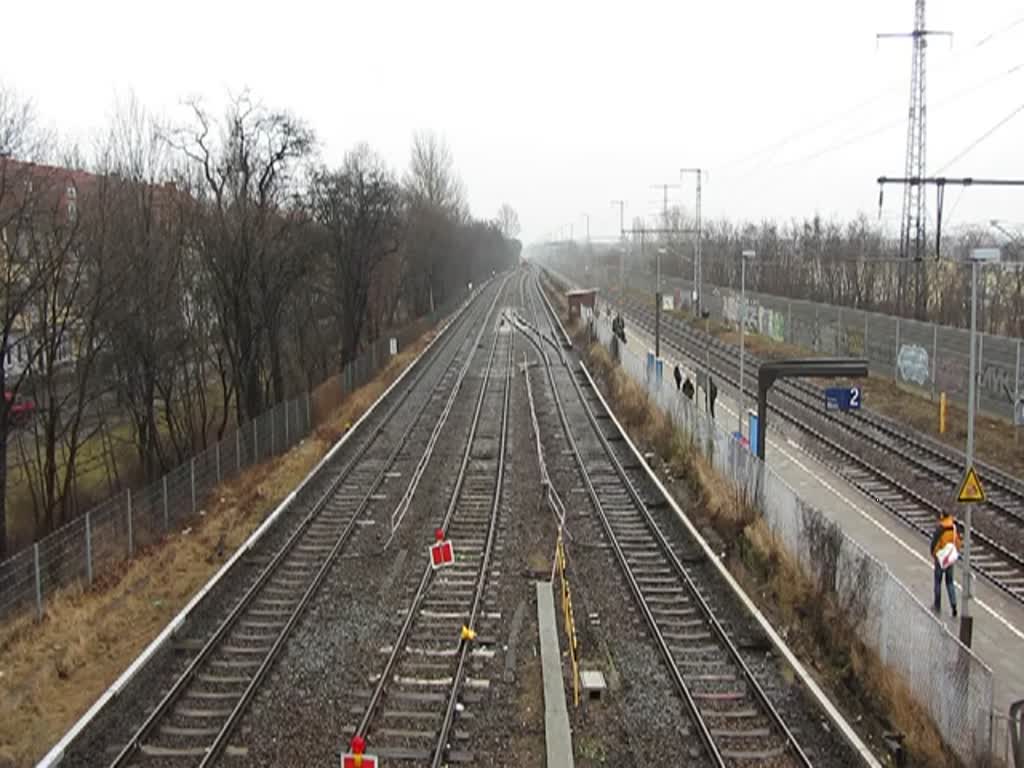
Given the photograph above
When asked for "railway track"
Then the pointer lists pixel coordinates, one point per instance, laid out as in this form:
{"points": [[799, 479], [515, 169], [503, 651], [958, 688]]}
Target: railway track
{"points": [[736, 722], [914, 478], [424, 684], [193, 722]]}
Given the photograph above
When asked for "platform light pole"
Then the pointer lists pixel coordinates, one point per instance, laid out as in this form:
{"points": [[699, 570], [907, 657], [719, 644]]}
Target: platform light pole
{"points": [[657, 302], [698, 266], [747, 254], [978, 256]]}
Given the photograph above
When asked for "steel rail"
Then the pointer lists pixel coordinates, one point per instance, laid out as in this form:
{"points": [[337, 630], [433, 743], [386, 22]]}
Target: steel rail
{"points": [[214, 642], [221, 741], [680, 571], [478, 595], [860, 422], [877, 473], [425, 580], [703, 731]]}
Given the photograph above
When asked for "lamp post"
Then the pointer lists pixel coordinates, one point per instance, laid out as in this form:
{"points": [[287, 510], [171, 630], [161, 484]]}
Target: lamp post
{"points": [[657, 303], [748, 254], [978, 256], [698, 267]]}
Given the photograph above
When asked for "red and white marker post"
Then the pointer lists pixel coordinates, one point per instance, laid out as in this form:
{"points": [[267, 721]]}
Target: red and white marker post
{"points": [[356, 757], [441, 552]]}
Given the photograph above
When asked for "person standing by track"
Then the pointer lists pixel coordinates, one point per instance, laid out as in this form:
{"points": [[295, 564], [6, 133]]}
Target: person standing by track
{"points": [[945, 552]]}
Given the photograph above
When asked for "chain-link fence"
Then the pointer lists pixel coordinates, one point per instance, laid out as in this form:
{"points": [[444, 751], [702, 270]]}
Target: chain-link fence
{"points": [[945, 677], [133, 519], [121, 525], [929, 357]]}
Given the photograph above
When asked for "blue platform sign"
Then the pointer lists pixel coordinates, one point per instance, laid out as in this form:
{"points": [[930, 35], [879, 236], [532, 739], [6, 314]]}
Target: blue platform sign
{"points": [[842, 399]]}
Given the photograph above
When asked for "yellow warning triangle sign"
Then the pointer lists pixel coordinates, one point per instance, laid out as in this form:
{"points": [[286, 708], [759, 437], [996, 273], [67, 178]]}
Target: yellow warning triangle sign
{"points": [[970, 489]]}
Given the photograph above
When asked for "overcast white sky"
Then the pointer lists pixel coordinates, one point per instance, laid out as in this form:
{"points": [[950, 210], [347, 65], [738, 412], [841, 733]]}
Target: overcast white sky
{"points": [[559, 107]]}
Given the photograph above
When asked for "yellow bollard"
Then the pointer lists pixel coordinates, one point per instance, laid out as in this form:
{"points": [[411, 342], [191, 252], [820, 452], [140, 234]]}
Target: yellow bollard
{"points": [[942, 413]]}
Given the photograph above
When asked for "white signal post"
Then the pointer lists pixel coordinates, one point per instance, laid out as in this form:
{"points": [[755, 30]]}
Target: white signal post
{"points": [[978, 256]]}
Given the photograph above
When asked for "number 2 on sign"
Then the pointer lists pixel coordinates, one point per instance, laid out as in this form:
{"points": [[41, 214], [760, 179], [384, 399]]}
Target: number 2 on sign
{"points": [[855, 397]]}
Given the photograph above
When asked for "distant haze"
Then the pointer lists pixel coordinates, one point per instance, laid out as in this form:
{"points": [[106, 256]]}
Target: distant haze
{"points": [[559, 108]]}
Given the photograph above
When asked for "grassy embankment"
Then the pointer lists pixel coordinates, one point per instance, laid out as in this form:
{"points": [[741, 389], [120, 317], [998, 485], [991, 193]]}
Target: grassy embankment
{"points": [[52, 670]]}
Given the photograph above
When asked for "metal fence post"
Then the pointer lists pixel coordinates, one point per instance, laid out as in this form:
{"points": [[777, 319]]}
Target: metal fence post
{"points": [[1016, 382], [255, 442], [789, 322], [286, 425], [238, 449], [192, 477], [88, 547], [817, 328], [167, 514], [216, 453], [868, 356], [935, 357], [896, 356], [273, 430], [131, 532], [39, 581]]}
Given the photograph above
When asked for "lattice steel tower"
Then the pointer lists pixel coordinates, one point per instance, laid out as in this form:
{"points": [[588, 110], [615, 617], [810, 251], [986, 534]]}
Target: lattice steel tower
{"points": [[912, 225]]}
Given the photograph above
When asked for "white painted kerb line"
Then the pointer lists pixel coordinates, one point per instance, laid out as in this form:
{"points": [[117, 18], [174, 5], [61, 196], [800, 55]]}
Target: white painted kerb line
{"points": [[826, 704]]}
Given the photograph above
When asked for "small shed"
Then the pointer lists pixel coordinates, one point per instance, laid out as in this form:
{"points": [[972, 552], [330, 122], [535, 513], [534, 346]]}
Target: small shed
{"points": [[581, 297]]}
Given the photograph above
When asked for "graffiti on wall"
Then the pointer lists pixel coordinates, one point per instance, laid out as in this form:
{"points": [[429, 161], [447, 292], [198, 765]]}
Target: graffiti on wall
{"points": [[995, 379], [997, 382], [763, 320], [912, 364]]}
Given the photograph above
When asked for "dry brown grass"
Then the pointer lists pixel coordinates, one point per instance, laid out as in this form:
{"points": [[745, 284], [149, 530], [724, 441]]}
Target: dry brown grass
{"points": [[819, 633], [52, 670], [815, 627]]}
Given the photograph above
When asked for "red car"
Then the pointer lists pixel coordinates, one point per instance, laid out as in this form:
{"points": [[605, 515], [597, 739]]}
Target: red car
{"points": [[20, 410]]}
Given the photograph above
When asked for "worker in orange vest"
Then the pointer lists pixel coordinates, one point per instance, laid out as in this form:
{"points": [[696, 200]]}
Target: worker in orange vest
{"points": [[945, 552]]}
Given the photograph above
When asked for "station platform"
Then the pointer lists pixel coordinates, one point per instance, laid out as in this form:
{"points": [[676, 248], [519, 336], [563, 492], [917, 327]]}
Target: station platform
{"points": [[998, 637]]}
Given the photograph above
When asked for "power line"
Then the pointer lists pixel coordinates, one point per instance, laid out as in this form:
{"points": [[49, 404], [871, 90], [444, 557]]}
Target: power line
{"points": [[844, 143], [988, 38], [982, 138], [847, 111]]}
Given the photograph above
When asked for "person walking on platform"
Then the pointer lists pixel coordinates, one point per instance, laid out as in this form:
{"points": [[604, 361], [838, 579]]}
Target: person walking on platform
{"points": [[688, 389], [679, 376], [945, 552], [712, 396]]}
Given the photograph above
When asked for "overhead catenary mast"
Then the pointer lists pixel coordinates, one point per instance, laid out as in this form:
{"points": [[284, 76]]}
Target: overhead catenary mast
{"points": [[912, 220]]}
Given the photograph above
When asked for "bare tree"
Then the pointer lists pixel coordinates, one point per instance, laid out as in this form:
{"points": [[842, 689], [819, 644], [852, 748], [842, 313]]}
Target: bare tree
{"points": [[72, 248], [247, 165], [508, 221], [145, 329], [436, 205], [24, 190], [359, 208], [432, 178]]}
